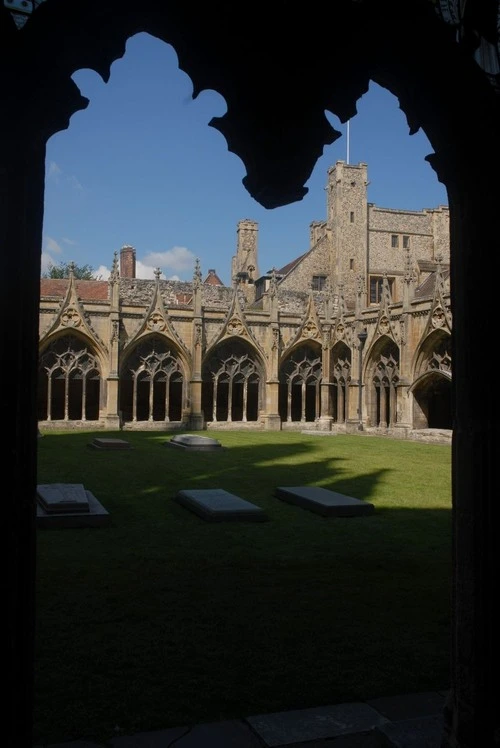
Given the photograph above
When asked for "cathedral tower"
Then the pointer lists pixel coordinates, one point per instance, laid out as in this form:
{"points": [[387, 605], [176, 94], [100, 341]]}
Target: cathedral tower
{"points": [[245, 260], [347, 220]]}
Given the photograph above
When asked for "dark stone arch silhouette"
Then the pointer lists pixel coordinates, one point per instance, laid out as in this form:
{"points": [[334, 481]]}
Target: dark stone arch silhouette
{"points": [[278, 75]]}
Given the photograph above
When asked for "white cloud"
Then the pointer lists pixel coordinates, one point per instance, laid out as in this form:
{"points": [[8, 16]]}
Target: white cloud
{"points": [[71, 242], [102, 273], [51, 246], [145, 272], [75, 184], [177, 260], [53, 171], [47, 261]]}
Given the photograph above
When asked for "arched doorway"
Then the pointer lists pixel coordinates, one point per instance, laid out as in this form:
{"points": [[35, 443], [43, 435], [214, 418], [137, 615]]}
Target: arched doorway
{"points": [[432, 391]]}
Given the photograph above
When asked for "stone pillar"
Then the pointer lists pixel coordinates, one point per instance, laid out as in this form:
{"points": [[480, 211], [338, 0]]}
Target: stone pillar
{"points": [[272, 420], [22, 176], [196, 417], [113, 420], [325, 420], [473, 709]]}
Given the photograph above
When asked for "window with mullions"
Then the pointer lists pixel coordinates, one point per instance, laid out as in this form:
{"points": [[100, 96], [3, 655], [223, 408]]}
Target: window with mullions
{"points": [[376, 286], [394, 241], [318, 282]]}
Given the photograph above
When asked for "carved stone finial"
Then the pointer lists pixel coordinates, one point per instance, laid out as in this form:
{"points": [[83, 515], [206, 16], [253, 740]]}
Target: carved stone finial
{"points": [[157, 272], [273, 286], [197, 274], [113, 276]]}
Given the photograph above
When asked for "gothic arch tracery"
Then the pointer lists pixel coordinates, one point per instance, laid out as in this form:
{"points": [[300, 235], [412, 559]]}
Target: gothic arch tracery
{"points": [[153, 382], [382, 378], [69, 380], [431, 388], [232, 383], [300, 378], [341, 377]]}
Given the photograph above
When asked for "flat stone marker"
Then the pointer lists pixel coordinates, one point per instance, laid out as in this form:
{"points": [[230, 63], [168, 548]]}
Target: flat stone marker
{"points": [[57, 498], [217, 505], [100, 443], [61, 505], [321, 723], [324, 502], [195, 443]]}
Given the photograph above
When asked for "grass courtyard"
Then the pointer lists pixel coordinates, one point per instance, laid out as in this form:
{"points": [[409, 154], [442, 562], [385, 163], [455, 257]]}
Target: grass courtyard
{"points": [[163, 619]]}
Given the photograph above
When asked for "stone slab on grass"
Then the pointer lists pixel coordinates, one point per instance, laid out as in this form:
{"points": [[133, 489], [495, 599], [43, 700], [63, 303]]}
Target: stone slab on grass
{"points": [[54, 512], [217, 505], [112, 444], [324, 502], [194, 443], [326, 722]]}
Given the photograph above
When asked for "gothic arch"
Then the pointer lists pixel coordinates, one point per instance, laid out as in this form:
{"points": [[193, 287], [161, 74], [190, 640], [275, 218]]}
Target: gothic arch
{"points": [[300, 377], [431, 387], [381, 378], [341, 361], [153, 381], [233, 381], [70, 383]]}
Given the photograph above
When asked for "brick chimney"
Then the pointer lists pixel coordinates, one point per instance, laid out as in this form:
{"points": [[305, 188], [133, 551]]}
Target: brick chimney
{"points": [[127, 261]]}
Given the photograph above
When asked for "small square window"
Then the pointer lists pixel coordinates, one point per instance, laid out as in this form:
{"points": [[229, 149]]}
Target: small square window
{"points": [[318, 282], [406, 242], [394, 241]]}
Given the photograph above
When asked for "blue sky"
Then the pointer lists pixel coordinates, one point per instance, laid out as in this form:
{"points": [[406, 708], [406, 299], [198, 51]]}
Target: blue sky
{"points": [[141, 166]]}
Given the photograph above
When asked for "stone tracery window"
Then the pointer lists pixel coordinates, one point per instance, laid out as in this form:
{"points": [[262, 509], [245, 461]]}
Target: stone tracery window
{"points": [[231, 384], [385, 381], [152, 387], [68, 382], [300, 380], [341, 377]]}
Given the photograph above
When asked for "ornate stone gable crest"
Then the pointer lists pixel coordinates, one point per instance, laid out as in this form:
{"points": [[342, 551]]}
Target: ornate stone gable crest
{"points": [[310, 329], [157, 320], [439, 317], [72, 316], [385, 325], [235, 324], [342, 330]]}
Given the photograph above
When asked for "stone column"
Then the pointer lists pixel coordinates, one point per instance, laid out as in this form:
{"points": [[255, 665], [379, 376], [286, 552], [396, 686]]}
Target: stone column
{"points": [[473, 709], [22, 175]]}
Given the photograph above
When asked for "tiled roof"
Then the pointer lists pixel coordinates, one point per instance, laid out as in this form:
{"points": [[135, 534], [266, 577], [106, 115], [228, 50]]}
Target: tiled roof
{"points": [[87, 290], [213, 279], [427, 287], [287, 268]]}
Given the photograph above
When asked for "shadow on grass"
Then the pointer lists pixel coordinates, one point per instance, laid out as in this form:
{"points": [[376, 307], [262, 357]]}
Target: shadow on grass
{"points": [[163, 619]]}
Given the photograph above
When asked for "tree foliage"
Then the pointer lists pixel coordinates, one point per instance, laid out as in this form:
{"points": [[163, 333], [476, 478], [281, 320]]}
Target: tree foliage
{"points": [[62, 270]]}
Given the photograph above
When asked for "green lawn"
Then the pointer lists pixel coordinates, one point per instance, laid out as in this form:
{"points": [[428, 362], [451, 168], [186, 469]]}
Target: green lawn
{"points": [[163, 619]]}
